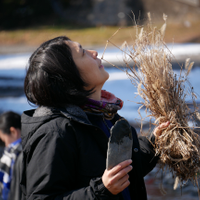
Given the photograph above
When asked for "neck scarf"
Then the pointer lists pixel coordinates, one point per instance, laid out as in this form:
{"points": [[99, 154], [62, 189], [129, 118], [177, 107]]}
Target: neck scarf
{"points": [[108, 105]]}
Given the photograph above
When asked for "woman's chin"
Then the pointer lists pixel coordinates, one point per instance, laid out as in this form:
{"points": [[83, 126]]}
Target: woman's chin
{"points": [[106, 76]]}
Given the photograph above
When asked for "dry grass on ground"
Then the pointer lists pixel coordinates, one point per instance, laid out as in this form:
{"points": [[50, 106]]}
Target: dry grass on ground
{"points": [[178, 33]]}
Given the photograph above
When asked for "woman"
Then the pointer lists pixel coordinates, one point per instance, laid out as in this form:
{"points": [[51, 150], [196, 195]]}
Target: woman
{"points": [[65, 139]]}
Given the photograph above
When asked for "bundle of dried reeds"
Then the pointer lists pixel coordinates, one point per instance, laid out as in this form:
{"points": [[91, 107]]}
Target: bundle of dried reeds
{"points": [[164, 95]]}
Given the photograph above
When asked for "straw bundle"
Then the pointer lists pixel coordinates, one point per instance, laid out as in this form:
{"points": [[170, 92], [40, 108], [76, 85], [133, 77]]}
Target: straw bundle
{"points": [[164, 94]]}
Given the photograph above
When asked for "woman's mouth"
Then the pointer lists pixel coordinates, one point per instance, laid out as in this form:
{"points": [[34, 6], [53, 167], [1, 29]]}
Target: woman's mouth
{"points": [[101, 66]]}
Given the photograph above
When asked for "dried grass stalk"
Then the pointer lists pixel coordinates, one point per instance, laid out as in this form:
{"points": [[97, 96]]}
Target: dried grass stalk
{"points": [[164, 95]]}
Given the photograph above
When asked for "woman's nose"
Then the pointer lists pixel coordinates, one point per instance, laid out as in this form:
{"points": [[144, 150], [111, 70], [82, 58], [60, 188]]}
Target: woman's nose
{"points": [[93, 53]]}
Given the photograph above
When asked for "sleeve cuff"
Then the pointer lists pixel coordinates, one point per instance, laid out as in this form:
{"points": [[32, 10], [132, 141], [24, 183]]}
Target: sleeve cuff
{"points": [[101, 190]]}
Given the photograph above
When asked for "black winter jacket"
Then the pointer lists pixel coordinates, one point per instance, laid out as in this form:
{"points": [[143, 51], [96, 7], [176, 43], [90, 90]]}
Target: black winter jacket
{"points": [[64, 157]]}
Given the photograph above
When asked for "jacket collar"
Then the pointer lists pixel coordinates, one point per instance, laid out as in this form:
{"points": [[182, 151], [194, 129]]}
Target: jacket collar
{"points": [[72, 112], [75, 113]]}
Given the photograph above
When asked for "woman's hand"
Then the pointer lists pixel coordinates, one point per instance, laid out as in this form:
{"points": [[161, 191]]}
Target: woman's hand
{"points": [[116, 179], [157, 132]]}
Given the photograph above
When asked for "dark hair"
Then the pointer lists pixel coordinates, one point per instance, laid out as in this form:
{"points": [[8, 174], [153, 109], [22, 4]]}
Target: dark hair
{"points": [[9, 119], [53, 78]]}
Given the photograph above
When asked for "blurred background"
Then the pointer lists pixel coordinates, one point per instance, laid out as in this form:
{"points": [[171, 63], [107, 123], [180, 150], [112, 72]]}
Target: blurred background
{"points": [[92, 22], [25, 24]]}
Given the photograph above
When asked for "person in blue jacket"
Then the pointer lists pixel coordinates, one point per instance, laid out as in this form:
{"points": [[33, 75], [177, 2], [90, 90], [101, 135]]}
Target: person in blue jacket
{"points": [[65, 139], [10, 134]]}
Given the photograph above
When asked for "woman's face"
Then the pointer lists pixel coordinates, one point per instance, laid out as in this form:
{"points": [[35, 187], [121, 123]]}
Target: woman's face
{"points": [[90, 67]]}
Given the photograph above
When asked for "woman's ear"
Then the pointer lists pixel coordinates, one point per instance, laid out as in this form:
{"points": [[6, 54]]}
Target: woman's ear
{"points": [[12, 129], [13, 132]]}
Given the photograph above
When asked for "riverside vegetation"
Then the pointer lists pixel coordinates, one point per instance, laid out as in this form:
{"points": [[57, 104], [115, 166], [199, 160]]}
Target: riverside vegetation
{"points": [[96, 36]]}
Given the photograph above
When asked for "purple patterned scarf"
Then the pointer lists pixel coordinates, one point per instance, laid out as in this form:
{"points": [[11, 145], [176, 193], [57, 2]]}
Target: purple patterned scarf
{"points": [[108, 105]]}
